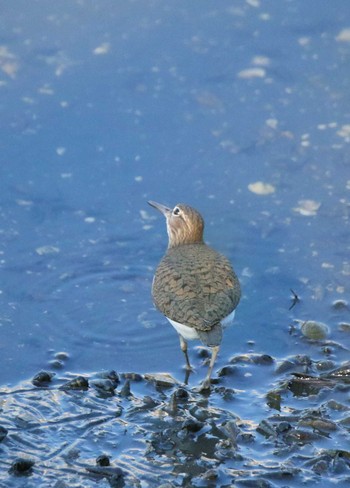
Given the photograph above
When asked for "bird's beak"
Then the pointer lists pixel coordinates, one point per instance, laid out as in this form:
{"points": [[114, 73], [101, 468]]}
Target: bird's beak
{"points": [[162, 208]]}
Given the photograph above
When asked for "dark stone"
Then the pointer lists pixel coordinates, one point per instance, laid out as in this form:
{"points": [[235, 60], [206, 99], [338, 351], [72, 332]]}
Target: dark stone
{"points": [[181, 394], [132, 376], [227, 371], [125, 391], [103, 460], [3, 433], [62, 356], [110, 375], [21, 467], [283, 427], [56, 364], [78, 383], [192, 425], [43, 378]]}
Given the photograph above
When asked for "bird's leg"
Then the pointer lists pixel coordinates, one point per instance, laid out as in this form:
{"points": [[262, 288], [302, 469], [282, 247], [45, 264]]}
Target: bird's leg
{"points": [[183, 345], [206, 383]]}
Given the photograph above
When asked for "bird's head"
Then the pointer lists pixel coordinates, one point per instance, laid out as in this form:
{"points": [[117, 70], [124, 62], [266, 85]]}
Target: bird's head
{"points": [[185, 224]]}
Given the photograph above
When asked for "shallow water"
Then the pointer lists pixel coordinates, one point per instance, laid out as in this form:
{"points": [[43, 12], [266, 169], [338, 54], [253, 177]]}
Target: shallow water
{"points": [[107, 105]]}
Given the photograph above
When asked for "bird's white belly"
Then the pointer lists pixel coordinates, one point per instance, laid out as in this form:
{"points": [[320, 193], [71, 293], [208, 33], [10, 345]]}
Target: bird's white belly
{"points": [[227, 321], [189, 333]]}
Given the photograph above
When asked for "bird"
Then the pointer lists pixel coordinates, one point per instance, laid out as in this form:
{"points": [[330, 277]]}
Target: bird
{"points": [[194, 286]]}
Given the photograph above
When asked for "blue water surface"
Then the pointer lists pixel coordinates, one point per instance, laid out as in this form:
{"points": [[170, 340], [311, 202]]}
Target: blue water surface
{"points": [[105, 105]]}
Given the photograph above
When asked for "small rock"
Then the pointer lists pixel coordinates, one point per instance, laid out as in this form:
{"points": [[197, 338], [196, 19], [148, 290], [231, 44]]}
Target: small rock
{"points": [[3, 433], [113, 474], [325, 365], [327, 350], [210, 475], [283, 427], [340, 305], [62, 356], [21, 467], [200, 414], [274, 399], [149, 402], [322, 425], [301, 437], [315, 331], [171, 408], [266, 429], [132, 376], [126, 391], [302, 360], [226, 393], [56, 364], [118, 412], [105, 387], [43, 378], [285, 366], [109, 375], [253, 482], [202, 352], [78, 383], [246, 437], [342, 373], [320, 467], [263, 359], [192, 425], [164, 380], [339, 407], [181, 394], [228, 370], [231, 431], [103, 460], [344, 327]]}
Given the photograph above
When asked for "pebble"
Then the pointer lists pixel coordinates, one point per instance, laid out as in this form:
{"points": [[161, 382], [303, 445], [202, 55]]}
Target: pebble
{"points": [[253, 482], [266, 429], [103, 460], [132, 376], [164, 380], [192, 425], [340, 305], [78, 383], [109, 375], [56, 364], [227, 371], [344, 327], [125, 391], [202, 352], [43, 378], [339, 407], [325, 365], [106, 387], [231, 431], [274, 399], [283, 427], [3, 433], [315, 331], [181, 394], [285, 366], [21, 466], [61, 356]]}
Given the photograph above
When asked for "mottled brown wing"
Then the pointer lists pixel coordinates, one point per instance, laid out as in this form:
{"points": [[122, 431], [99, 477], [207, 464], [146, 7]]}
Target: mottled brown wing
{"points": [[196, 286]]}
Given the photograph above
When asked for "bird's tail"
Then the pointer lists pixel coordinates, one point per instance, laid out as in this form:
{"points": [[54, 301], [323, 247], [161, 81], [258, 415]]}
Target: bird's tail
{"points": [[211, 337]]}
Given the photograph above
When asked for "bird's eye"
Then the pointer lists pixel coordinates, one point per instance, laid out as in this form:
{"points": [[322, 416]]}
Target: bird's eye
{"points": [[176, 211]]}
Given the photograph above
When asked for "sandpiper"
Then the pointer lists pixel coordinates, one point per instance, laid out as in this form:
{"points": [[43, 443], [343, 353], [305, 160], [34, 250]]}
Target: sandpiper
{"points": [[194, 286]]}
